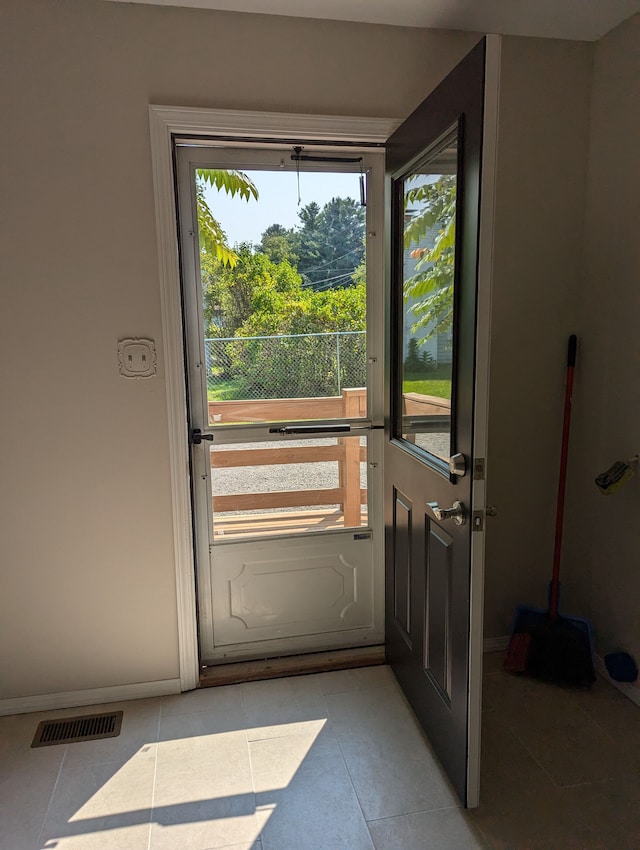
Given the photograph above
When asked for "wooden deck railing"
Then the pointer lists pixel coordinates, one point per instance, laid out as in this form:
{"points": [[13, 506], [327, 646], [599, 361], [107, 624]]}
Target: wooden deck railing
{"points": [[351, 404], [347, 452]]}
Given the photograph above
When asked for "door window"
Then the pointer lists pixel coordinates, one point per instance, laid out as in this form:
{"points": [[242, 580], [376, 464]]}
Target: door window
{"points": [[424, 354], [284, 305], [280, 359]]}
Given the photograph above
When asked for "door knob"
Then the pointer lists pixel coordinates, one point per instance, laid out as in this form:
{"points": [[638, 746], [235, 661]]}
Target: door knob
{"points": [[457, 512]]}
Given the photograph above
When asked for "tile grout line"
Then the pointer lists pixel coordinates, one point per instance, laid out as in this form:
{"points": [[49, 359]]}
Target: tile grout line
{"points": [[355, 790], [394, 684], [388, 817], [555, 784], [513, 731], [344, 761], [485, 836], [535, 760], [419, 812], [253, 779], [155, 773], [53, 791], [248, 743]]}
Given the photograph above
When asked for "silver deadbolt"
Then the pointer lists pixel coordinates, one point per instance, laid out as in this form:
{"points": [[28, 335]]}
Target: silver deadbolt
{"points": [[458, 465], [457, 512]]}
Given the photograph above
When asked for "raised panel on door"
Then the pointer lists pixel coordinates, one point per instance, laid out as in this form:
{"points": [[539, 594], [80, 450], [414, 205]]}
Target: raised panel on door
{"points": [[272, 592], [401, 564], [439, 569]]}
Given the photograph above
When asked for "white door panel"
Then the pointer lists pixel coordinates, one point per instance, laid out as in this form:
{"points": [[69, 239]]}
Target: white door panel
{"points": [[277, 590]]}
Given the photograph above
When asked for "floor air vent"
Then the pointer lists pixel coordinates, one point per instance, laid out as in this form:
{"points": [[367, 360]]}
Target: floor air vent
{"points": [[68, 730]]}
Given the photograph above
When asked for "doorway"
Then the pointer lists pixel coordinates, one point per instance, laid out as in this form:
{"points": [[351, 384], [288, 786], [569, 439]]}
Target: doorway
{"points": [[236, 130], [283, 337]]}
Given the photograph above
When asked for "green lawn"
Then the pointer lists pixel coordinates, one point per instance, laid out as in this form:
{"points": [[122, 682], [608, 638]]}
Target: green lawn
{"points": [[438, 383], [440, 388], [229, 390]]}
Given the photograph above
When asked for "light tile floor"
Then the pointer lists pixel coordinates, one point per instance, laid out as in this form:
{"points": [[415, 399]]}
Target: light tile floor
{"points": [[560, 767], [333, 761]]}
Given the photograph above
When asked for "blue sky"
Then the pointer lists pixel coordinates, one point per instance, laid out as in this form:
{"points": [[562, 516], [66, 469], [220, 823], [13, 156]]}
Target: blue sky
{"points": [[245, 221]]}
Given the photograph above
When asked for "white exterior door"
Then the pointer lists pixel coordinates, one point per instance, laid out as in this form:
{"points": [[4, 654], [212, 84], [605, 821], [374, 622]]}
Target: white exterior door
{"points": [[285, 403]]}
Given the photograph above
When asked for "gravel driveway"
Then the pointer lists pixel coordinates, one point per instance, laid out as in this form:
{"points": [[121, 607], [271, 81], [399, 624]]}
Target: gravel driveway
{"points": [[294, 476]]}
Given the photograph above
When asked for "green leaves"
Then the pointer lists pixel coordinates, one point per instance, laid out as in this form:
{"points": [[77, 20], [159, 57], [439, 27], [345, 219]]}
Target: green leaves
{"points": [[233, 182], [331, 242], [430, 287], [213, 239]]}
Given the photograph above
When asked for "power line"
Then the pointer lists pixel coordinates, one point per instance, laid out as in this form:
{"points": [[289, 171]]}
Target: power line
{"points": [[324, 284], [334, 260]]}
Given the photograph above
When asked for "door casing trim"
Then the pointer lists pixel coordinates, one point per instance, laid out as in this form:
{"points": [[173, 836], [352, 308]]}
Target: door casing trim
{"points": [[166, 122]]}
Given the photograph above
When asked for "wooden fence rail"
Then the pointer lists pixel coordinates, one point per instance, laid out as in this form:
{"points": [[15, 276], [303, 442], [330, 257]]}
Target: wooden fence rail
{"points": [[347, 452]]}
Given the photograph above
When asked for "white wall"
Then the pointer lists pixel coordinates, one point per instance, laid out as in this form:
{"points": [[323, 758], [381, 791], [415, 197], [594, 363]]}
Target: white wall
{"points": [[87, 594], [540, 191], [603, 532]]}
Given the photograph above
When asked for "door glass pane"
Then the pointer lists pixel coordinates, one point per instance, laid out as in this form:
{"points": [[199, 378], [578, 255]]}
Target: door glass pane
{"points": [[288, 487], [426, 317], [283, 294]]}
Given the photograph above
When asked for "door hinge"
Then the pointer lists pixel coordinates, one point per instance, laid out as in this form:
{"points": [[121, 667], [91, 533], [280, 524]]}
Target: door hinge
{"points": [[478, 469]]}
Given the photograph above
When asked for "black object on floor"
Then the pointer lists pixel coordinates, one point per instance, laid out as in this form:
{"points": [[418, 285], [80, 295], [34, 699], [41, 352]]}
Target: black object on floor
{"points": [[621, 667]]}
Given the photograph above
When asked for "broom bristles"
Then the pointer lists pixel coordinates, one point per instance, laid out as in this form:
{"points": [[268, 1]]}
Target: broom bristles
{"points": [[517, 653]]}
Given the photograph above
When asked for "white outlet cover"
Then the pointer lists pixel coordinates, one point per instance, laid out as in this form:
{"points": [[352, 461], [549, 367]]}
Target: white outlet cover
{"points": [[137, 357]]}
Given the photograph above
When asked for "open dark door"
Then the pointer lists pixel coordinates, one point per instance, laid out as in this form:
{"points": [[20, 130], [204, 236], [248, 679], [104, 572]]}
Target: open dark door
{"points": [[433, 170]]}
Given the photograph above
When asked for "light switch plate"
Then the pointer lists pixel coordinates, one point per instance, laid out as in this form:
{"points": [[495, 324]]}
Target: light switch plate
{"points": [[137, 357]]}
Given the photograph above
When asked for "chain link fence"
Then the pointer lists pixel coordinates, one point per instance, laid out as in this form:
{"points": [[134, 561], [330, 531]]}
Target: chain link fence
{"points": [[292, 366]]}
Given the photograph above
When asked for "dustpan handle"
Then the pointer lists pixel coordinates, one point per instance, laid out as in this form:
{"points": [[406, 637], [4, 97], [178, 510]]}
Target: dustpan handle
{"points": [[554, 590]]}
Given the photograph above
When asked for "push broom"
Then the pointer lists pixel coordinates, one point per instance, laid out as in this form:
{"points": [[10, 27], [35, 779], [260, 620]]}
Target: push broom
{"points": [[544, 643]]}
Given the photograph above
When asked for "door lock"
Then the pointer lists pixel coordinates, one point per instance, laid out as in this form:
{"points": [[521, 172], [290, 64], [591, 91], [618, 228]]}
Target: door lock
{"points": [[457, 512], [197, 437], [458, 465]]}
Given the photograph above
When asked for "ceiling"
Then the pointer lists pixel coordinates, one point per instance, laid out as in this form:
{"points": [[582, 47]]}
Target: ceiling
{"points": [[586, 20]]}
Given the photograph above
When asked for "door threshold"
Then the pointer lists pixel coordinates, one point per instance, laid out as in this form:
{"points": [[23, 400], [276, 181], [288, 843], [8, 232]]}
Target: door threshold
{"points": [[294, 665]]}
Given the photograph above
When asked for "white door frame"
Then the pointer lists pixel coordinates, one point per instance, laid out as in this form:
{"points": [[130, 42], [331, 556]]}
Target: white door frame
{"points": [[167, 122]]}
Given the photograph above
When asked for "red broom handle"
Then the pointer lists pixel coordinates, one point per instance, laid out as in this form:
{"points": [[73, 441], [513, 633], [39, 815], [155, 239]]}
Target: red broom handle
{"points": [[554, 591]]}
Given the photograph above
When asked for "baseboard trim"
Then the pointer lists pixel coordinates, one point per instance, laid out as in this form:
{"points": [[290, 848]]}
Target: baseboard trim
{"points": [[496, 644], [164, 687], [90, 696]]}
